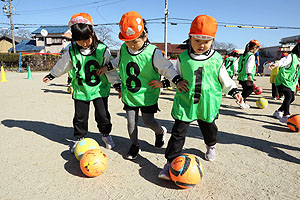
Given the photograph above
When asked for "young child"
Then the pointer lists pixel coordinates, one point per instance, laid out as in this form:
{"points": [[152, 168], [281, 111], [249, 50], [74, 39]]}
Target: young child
{"points": [[206, 74], [231, 63], [85, 56], [140, 66], [273, 76], [247, 70], [286, 81]]}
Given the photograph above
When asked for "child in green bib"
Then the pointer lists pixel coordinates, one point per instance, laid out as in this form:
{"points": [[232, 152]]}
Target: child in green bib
{"points": [[247, 70], [231, 63], [206, 74], [85, 56], [140, 66], [286, 81]]}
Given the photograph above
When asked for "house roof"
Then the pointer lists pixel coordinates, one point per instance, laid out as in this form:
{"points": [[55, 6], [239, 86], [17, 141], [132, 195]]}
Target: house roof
{"points": [[172, 48], [27, 45], [17, 39], [52, 29]]}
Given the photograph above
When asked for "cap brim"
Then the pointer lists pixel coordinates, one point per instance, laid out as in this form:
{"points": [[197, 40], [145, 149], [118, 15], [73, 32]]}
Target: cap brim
{"points": [[202, 37]]}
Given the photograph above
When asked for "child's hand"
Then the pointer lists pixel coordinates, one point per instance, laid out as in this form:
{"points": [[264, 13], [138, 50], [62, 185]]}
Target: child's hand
{"points": [[182, 86], [155, 84], [272, 67], [101, 71], [239, 98]]}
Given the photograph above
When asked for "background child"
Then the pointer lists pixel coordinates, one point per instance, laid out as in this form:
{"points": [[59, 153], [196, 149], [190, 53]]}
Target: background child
{"points": [[247, 70], [273, 75], [231, 63], [286, 81], [140, 65], [206, 74], [85, 56]]}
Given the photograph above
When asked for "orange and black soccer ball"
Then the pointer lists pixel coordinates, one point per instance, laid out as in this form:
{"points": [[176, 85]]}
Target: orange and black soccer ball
{"points": [[186, 171], [293, 122], [93, 162]]}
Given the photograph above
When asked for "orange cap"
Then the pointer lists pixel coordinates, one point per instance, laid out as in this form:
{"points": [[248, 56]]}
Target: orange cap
{"points": [[131, 26], [255, 42], [81, 18], [235, 51], [284, 54], [204, 27]]}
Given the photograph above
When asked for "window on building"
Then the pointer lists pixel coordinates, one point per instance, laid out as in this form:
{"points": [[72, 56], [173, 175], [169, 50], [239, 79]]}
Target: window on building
{"points": [[56, 40]]}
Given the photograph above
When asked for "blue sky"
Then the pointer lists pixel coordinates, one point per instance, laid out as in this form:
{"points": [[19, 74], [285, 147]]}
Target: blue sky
{"points": [[264, 12]]}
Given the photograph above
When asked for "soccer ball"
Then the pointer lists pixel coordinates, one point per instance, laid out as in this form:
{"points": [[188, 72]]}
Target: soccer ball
{"points": [[70, 90], [258, 90], [262, 103], [85, 145], [293, 122], [93, 163], [186, 171]]}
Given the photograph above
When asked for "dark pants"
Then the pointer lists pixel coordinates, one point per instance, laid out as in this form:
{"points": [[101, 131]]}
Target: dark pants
{"points": [[179, 131], [275, 92], [289, 97], [102, 117], [247, 89]]}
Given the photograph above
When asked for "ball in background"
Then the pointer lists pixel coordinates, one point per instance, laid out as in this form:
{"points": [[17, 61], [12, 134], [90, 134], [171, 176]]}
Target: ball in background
{"points": [[84, 145], [258, 90], [293, 122], [186, 171], [93, 162], [262, 103]]}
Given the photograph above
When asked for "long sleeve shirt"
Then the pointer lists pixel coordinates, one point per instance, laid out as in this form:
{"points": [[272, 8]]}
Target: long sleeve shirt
{"points": [[228, 85], [64, 65]]}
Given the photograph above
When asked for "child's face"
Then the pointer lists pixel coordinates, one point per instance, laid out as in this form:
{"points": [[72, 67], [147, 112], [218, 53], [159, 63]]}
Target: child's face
{"points": [[200, 46], [136, 44], [85, 43]]}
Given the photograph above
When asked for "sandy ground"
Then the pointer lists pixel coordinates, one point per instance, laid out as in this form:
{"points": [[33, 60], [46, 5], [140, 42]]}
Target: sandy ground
{"points": [[257, 156]]}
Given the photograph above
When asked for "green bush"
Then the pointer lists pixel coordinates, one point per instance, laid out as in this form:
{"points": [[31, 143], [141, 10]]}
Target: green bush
{"points": [[35, 61]]}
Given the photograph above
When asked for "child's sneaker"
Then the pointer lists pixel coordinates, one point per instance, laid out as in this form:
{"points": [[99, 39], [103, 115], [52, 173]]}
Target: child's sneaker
{"points": [[133, 152], [278, 114], [109, 143], [243, 105], [284, 119], [164, 173], [75, 143], [160, 138], [210, 153]]}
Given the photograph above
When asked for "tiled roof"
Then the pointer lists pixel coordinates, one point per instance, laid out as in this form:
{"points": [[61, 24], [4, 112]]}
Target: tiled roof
{"points": [[52, 29], [17, 39], [27, 45]]}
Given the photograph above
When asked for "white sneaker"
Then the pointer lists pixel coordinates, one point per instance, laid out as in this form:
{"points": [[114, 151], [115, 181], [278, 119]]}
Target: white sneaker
{"points": [[243, 105], [109, 143], [278, 114], [164, 173], [284, 119], [210, 153]]}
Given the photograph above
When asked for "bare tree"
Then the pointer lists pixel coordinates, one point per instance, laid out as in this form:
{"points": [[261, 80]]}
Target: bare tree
{"points": [[24, 33], [104, 34], [225, 46], [4, 32]]}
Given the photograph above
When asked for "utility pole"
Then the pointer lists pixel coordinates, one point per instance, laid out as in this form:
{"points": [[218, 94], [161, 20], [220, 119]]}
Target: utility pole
{"points": [[10, 14], [166, 30]]}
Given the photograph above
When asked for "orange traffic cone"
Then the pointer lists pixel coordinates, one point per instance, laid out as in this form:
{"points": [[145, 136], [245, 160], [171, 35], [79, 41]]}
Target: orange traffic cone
{"points": [[3, 78]]}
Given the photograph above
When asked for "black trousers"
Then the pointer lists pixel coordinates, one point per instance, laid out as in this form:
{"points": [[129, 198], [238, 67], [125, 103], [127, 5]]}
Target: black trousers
{"points": [[247, 89], [81, 116], [179, 131], [289, 97]]}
